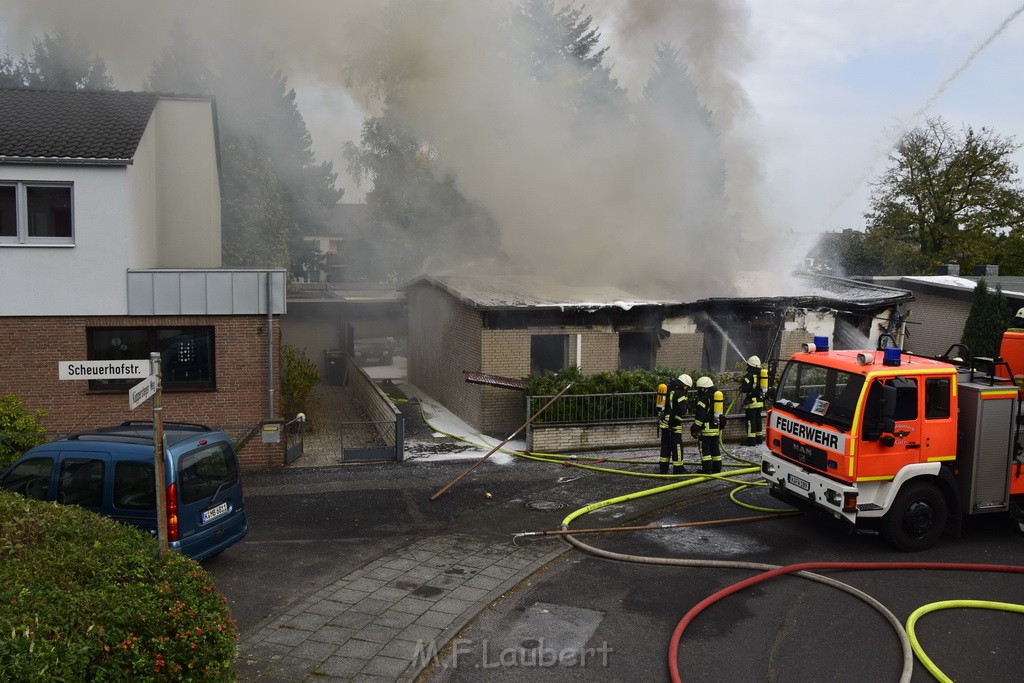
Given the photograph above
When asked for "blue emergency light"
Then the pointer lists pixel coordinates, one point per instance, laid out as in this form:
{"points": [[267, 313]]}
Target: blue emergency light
{"points": [[891, 356]]}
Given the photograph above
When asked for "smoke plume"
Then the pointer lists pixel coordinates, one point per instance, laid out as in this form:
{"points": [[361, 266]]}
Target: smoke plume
{"points": [[661, 203]]}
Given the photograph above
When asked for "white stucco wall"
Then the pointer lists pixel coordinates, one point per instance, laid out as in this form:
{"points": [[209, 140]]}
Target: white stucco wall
{"points": [[188, 200], [89, 277], [161, 211]]}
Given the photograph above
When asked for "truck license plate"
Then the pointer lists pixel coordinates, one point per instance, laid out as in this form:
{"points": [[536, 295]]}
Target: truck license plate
{"points": [[215, 512], [798, 482]]}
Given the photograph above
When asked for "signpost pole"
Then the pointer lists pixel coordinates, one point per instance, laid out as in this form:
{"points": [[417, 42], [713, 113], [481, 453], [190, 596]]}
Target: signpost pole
{"points": [[158, 456]]}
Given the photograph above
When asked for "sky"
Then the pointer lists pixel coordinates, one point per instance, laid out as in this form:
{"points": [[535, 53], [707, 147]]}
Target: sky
{"points": [[808, 97]]}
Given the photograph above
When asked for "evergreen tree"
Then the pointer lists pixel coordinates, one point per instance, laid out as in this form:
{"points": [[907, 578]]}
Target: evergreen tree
{"points": [[59, 61], [989, 317]]}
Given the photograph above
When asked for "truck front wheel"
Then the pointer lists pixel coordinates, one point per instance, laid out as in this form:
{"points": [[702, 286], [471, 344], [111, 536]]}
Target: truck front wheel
{"points": [[917, 518]]}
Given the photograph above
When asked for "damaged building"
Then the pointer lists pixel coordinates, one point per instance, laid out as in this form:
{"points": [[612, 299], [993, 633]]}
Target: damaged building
{"points": [[515, 326]]}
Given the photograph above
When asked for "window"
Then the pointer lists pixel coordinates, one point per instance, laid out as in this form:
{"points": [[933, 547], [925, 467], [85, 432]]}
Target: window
{"points": [[187, 359], [81, 482], [35, 213], [547, 352], [205, 472], [30, 478], [936, 398], [134, 485], [636, 350]]}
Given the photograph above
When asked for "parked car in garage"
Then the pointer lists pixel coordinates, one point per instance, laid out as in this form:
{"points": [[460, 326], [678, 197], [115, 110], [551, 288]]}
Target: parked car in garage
{"points": [[373, 351]]}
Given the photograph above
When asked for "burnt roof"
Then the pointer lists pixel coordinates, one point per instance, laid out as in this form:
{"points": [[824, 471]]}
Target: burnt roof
{"points": [[500, 292], [72, 125]]}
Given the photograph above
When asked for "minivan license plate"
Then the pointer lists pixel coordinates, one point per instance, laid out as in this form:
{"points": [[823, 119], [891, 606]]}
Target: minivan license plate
{"points": [[798, 482], [215, 512]]}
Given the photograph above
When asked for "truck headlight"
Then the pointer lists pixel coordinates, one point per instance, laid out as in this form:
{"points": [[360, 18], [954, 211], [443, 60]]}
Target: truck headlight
{"points": [[767, 468]]}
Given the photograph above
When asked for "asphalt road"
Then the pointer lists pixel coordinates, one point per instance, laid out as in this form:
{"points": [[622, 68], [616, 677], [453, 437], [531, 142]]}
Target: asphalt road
{"points": [[612, 620]]}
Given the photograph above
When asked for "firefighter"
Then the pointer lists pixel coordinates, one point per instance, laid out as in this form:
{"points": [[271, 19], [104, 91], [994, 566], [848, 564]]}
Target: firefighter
{"points": [[671, 425], [1017, 324], [753, 401], [707, 425]]}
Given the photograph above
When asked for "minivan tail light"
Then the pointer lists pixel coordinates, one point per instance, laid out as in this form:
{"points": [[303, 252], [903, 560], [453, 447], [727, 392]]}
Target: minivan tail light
{"points": [[172, 512]]}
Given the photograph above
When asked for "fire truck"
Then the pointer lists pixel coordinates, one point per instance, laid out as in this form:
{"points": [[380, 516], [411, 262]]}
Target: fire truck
{"points": [[898, 444]]}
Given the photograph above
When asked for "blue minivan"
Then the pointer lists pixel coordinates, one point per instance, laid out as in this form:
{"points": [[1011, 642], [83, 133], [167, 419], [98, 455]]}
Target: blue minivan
{"points": [[111, 472]]}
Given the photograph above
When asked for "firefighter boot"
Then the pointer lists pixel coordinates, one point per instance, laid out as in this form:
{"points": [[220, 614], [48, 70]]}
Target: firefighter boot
{"points": [[716, 466]]}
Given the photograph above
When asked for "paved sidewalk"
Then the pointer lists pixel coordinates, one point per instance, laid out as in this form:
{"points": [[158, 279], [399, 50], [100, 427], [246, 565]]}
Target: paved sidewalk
{"points": [[384, 621]]}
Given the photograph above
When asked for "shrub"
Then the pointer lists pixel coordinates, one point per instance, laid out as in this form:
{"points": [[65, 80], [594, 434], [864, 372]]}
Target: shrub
{"points": [[19, 429], [299, 379], [83, 597], [615, 382]]}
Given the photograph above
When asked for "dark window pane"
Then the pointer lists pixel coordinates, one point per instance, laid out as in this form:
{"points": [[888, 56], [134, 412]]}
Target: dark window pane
{"points": [[547, 352], [134, 486], [635, 350], [49, 211], [117, 344], [201, 473], [8, 211], [81, 482], [186, 354], [936, 398], [30, 478]]}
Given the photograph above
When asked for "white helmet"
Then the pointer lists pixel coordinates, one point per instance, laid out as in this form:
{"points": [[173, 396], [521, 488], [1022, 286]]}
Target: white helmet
{"points": [[704, 382], [1020, 313], [686, 380], [754, 362]]}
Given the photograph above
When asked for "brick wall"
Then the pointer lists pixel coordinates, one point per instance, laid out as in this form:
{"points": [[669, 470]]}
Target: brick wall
{"points": [[681, 350], [444, 339], [32, 346]]}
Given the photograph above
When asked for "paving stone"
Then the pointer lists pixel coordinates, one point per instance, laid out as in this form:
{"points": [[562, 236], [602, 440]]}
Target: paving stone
{"points": [[315, 650], [412, 605], [395, 619], [486, 583], [389, 593], [351, 619], [328, 608], [408, 650], [415, 633], [349, 596], [291, 669], [497, 572], [451, 605], [439, 620], [360, 649], [366, 584], [287, 636], [401, 564], [340, 666], [386, 666], [470, 593], [383, 574], [377, 633], [309, 621], [372, 606], [332, 634]]}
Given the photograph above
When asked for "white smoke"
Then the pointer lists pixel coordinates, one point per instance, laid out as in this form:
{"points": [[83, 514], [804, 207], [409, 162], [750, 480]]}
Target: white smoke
{"points": [[651, 205]]}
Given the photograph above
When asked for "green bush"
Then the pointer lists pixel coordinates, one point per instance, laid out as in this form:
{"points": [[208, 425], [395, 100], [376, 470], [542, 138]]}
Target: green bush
{"points": [[19, 429], [299, 379], [616, 382], [83, 597]]}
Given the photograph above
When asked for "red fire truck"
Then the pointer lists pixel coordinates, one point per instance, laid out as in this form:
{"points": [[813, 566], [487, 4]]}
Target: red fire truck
{"points": [[890, 442]]}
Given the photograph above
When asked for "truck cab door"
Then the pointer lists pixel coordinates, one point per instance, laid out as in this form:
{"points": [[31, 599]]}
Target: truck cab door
{"points": [[891, 435]]}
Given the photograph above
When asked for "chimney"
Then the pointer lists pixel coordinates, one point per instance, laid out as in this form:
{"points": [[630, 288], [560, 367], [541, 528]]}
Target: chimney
{"points": [[987, 271], [949, 269]]}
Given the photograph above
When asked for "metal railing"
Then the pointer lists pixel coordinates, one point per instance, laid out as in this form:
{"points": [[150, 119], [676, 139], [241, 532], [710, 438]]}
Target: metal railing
{"points": [[293, 442], [631, 407]]}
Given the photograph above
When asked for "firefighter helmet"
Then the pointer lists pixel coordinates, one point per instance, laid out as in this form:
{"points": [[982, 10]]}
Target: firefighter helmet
{"points": [[754, 362], [686, 380], [1020, 313], [704, 382]]}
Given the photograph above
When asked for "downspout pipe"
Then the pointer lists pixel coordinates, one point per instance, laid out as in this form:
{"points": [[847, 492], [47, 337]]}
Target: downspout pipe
{"points": [[270, 345]]}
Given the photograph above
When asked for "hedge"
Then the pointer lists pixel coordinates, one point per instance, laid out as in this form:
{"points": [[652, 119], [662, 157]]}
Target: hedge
{"points": [[83, 597]]}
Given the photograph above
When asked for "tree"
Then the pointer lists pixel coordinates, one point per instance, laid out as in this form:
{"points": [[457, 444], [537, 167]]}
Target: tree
{"points": [[989, 317], [59, 61], [952, 197]]}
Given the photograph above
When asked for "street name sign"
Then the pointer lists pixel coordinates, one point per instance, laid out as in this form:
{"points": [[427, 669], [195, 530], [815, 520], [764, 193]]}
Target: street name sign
{"points": [[141, 391], [103, 369]]}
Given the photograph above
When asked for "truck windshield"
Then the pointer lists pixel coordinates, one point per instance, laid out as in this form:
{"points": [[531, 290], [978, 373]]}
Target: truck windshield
{"points": [[819, 394]]}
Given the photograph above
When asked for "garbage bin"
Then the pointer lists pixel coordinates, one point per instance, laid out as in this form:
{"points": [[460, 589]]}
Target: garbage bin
{"points": [[337, 367]]}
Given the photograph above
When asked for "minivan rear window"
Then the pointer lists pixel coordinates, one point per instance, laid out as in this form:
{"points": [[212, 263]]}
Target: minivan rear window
{"points": [[203, 472]]}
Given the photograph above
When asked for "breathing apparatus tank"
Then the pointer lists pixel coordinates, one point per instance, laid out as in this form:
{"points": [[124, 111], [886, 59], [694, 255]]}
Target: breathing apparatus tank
{"points": [[718, 403], [763, 380], [662, 393]]}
